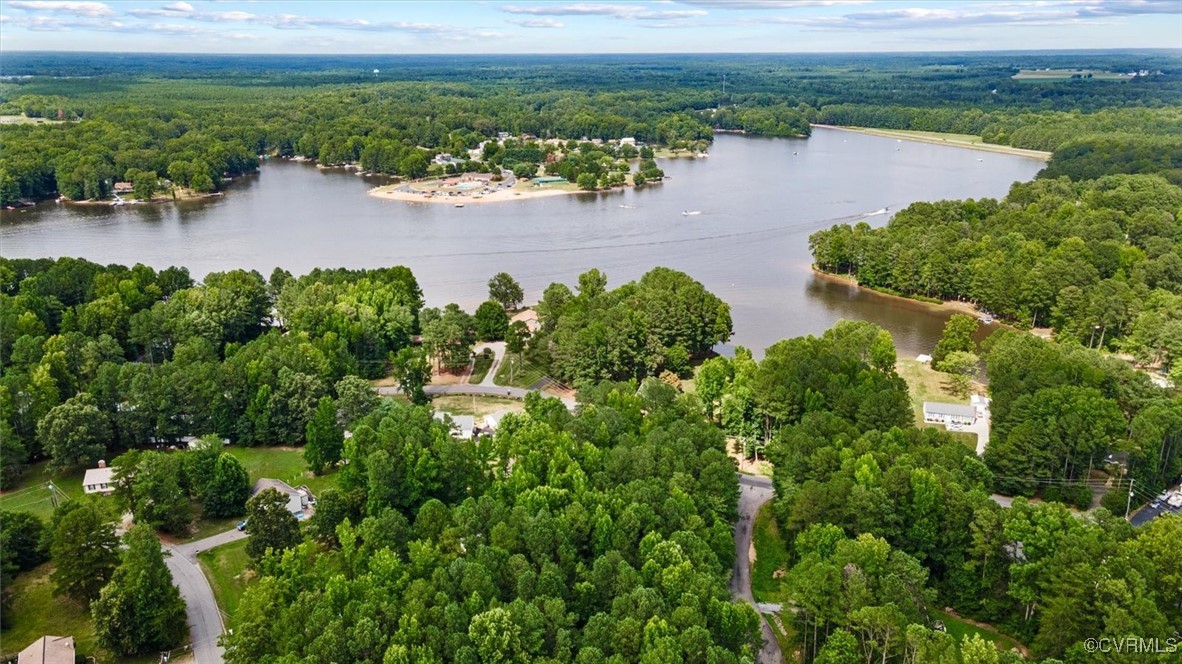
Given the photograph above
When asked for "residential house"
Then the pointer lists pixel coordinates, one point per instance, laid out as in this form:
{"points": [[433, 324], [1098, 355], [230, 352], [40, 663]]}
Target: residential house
{"points": [[99, 480], [298, 498], [935, 412], [49, 650], [462, 426]]}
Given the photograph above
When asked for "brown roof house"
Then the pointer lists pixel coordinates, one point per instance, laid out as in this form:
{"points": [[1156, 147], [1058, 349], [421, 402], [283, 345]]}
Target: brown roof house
{"points": [[49, 650]]}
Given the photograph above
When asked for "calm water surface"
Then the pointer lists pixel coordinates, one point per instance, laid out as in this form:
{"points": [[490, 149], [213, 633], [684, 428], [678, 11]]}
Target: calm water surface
{"points": [[759, 201]]}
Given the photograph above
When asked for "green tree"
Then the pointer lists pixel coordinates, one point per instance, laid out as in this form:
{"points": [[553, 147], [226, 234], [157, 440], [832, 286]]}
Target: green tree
{"points": [[355, 399], [505, 290], [962, 365], [413, 372], [22, 541], [74, 433], [228, 488], [325, 438], [84, 548], [491, 321], [958, 335], [270, 525], [140, 610]]}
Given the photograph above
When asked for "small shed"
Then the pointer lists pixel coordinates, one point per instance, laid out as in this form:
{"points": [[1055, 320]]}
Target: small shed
{"points": [[48, 650], [935, 412]]}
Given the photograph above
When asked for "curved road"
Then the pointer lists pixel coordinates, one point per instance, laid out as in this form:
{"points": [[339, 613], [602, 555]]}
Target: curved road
{"points": [[754, 491], [201, 609]]}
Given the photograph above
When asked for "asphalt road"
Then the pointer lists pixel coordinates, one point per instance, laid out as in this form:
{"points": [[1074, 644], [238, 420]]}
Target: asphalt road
{"points": [[481, 390], [754, 491], [201, 609]]}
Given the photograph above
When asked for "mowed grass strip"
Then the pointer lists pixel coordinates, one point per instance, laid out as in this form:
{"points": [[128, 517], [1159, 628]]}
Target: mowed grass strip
{"points": [[226, 569], [771, 555]]}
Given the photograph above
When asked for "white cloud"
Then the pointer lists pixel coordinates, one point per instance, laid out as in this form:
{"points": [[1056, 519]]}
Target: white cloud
{"points": [[636, 12], [537, 22], [86, 9], [182, 7], [772, 4], [1031, 13]]}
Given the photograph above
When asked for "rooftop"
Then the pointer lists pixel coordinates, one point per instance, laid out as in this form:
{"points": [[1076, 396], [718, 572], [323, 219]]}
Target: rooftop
{"points": [[49, 650], [96, 476], [955, 409]]}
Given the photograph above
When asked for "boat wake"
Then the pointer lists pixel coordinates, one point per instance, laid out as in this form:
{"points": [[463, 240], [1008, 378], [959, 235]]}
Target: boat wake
{"points": [[691, 213]]}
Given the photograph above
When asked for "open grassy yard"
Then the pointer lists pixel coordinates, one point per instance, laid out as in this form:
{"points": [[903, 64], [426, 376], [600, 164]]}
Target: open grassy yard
{"points": [[32, 494], [771, 555], [281, 463], [925, 384], [475, 405], [961, 629], [226, 569], [38, 610], [524, 373]]}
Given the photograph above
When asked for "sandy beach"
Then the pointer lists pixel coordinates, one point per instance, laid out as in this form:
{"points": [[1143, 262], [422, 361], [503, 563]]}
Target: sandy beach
{"points": [[520, 192]]}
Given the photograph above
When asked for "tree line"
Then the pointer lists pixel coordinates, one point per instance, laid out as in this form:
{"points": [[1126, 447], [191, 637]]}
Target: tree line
{"points": [[1098, 261]]}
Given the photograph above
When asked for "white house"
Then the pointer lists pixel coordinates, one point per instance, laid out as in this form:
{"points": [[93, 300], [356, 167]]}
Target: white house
{"points": [[935, 412], [462, 426], [99, 480]]}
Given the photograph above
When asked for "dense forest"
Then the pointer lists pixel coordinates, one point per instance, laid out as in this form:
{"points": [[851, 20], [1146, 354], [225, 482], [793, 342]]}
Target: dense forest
{"points": [[161, 121], [1099, 261]]}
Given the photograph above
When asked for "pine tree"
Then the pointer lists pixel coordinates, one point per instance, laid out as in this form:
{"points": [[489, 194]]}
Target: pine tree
{"points": [[84, 549], [326, 440], [228, 489], [140, 610]]}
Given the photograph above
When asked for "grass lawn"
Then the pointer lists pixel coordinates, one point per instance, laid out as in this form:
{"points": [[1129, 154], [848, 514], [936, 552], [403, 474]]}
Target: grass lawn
{"points": [[31, 493], [225, 567], [281, 463], [925, 384], [524, 374], [771, 554], [37, 610], [480, 367], [960, 630]]}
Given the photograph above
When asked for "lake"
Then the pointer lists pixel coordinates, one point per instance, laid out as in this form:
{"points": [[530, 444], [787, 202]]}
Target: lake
{"points": [[759, 200]]}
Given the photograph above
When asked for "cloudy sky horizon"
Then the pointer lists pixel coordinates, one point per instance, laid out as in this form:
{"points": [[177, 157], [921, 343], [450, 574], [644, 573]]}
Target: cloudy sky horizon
{"points": [[523, 26]]}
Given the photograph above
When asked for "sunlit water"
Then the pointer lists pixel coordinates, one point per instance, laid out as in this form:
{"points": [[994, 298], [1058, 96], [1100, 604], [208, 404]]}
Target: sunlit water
{"points": [[759, 201]]}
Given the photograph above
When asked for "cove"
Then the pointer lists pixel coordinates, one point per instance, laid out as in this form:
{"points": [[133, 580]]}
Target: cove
{"points": [[759, 200]]}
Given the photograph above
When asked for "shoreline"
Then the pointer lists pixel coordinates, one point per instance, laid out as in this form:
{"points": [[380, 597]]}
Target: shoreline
{"points": [[392, 193], [957, 305], [933, 138]]}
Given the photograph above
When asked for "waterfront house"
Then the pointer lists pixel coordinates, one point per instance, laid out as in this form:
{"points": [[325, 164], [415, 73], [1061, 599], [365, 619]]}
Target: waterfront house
{"points": [[935, 412], [48, 650]]}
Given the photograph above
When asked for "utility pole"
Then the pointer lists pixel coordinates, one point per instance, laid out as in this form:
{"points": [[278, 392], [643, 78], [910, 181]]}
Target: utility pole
{"points": [[1129, 503]]}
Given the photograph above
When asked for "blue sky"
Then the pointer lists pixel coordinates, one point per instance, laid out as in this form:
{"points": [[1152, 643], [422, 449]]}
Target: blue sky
{"points": [[521, 26]]}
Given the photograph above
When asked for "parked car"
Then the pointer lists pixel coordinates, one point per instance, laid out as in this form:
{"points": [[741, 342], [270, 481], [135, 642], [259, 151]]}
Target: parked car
{"points": [[242, 525]]}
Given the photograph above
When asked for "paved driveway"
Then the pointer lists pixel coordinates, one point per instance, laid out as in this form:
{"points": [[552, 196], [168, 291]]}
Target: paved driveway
{"points": [[201, 609], [754, 491]]}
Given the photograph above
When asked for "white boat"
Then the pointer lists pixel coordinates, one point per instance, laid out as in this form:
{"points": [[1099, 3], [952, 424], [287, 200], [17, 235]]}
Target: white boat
{"points": [[459, 205], [691, 213]]}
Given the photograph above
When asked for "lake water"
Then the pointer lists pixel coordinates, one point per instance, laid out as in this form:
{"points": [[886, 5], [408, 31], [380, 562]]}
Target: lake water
{"points": [[759, 201]]}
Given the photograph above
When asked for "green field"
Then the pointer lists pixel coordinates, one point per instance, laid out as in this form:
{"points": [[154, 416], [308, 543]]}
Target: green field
{"points": [[226, 569], [31, 494], [37, 610], [524, 373], [281, 463], [771, 554], [960, 630]]}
